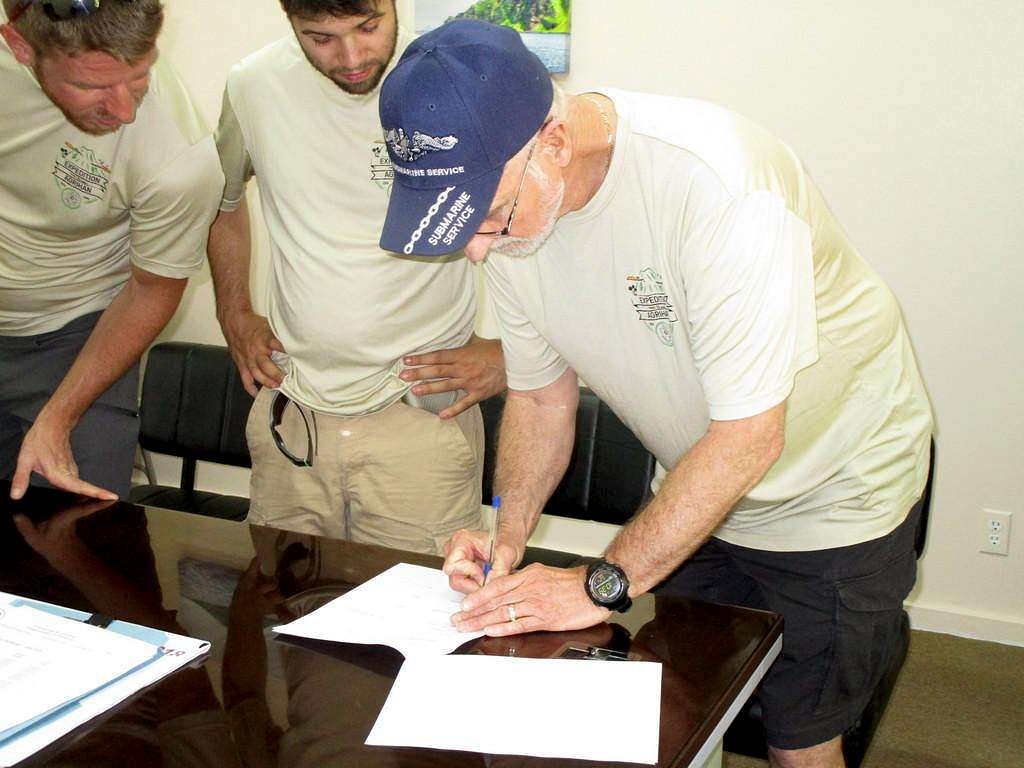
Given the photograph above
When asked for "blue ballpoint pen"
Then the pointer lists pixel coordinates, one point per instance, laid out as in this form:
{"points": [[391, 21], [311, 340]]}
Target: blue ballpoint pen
{"points": [[496, 503]]}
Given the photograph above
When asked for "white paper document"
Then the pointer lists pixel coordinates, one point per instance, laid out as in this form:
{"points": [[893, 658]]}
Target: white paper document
{"points": [[47, 661], [567, 708], [408, 607], [37, 639]]}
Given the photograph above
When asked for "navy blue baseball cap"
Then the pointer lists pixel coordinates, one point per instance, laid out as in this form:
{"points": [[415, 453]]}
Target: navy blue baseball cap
{"points": [[463, 100]]}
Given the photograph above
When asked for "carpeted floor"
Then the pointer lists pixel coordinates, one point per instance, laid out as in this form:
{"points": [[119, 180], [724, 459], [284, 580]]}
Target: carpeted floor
{"points": [[958, 704]]}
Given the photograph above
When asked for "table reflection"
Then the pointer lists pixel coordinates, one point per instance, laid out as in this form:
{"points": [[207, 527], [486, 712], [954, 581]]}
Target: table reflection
{"points": [[97, 557]]}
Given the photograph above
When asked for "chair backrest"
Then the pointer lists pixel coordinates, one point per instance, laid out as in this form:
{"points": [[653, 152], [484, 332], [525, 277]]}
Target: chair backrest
{"points": [[610, 473], [194, 405]]}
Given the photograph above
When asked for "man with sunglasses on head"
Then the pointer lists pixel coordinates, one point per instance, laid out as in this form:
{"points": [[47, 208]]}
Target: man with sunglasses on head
{"points": [[366, 426], [678, 259], [108, 184]]}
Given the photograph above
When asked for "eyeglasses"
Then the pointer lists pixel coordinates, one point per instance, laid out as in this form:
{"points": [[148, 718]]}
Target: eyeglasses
{"points": [[503, 232], [277, 407], [58, 10]]}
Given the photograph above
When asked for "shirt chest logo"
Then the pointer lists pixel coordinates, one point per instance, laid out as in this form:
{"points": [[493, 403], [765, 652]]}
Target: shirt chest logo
{"points": [[382, 173], [81, 176], [651, 303]]}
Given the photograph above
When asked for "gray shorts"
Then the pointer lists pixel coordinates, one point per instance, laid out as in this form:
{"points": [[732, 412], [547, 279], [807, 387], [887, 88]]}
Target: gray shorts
{"points": [[103, 443], [843, 612]]}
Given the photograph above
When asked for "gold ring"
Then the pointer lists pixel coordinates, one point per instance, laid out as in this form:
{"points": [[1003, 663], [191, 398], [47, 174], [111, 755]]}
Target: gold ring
{"points": [[511, 612]]}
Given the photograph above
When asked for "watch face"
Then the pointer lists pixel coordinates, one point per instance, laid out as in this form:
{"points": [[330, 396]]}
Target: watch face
{"points": [[606, 585]]}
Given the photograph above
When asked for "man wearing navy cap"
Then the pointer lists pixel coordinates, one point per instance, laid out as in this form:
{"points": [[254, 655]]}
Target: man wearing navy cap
{"points": [[678, 258]]}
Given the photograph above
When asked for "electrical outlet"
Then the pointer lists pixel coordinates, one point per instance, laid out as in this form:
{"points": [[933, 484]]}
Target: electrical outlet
{"points": [[997, 532]]}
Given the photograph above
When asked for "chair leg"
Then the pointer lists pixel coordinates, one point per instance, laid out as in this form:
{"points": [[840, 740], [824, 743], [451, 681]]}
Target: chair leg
{"points": [[147, 467]]}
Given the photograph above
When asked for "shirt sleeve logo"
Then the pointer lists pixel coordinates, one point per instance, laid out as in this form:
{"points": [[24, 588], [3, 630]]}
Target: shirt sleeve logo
{"points": [[81, 176], [412, 148], [652, 305]]}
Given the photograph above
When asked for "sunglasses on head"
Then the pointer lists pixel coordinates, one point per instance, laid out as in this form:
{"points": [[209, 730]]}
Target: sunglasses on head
{"points": [[59, 10]]}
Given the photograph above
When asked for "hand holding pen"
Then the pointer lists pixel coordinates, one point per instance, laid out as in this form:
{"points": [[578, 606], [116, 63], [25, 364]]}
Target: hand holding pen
{"points": [[474, 557], [495, 525]]}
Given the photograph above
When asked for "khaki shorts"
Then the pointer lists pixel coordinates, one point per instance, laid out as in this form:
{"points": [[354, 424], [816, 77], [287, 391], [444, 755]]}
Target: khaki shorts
{"points": [[400, 477]]}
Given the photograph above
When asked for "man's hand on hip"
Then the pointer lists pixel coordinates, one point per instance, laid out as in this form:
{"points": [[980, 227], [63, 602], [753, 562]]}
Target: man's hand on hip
{"points": [[46, 450], [478, 368], [251, 343], [536, 598]]}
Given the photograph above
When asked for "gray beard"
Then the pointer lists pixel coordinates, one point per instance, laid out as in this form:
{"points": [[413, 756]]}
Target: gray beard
{"points": [[518, 247]]}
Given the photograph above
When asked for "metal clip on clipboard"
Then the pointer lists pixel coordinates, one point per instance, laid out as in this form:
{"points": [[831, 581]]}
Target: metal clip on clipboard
{"points": [[594, 653]]}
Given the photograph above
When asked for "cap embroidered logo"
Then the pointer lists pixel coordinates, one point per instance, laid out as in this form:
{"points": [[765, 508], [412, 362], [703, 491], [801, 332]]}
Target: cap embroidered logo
{"points": [[420, 143]]}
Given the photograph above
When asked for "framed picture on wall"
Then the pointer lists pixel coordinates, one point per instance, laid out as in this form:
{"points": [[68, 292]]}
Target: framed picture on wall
{"points": [[543, 24]]}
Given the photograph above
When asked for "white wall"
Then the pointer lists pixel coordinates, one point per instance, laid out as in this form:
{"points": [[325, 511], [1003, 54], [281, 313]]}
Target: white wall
{"points": [[910, 116]]}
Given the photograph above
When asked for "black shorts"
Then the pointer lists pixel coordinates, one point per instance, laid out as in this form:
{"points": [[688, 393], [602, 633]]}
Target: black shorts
{"points": [[843, 612]]}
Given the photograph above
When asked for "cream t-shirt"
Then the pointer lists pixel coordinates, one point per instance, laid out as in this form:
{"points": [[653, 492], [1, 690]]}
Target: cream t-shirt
{"points": [[707, 279], [345, 311], [77, 210]]}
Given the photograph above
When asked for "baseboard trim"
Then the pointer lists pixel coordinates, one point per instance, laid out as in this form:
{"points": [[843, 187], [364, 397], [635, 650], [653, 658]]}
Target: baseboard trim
{"points": [[966, 625]]}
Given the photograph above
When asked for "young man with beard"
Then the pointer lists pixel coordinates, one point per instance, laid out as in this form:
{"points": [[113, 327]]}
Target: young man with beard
{"points": [[679, 259], [107, 190], [347, 437]]}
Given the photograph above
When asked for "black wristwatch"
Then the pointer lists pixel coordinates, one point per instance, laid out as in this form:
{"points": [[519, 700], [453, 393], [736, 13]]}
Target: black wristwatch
{"points": [[608, 586]]}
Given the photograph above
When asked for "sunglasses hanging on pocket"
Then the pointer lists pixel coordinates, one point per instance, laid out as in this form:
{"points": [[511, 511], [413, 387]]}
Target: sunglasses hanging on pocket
{"points": [[277, 407]]}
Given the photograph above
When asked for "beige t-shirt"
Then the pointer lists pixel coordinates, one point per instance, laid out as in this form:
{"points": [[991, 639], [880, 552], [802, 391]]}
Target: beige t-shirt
{"points": [[707, 279], [345, 311], [77, 210]]}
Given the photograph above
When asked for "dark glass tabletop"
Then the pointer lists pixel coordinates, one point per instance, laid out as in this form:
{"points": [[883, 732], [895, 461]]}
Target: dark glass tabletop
{"points": [[261, 700]]}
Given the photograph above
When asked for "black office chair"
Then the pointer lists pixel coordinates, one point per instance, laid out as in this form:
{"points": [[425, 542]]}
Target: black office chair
{"points": [[194, 407]]}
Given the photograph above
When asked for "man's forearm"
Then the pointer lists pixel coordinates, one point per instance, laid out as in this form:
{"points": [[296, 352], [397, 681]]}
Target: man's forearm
{"points": [[229, 250], [534, 447], [696, 496], [128, 326], [250, 339]]}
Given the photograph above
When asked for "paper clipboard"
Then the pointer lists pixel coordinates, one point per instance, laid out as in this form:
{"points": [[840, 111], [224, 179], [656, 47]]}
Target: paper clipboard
{"points": [[170, 653]]}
